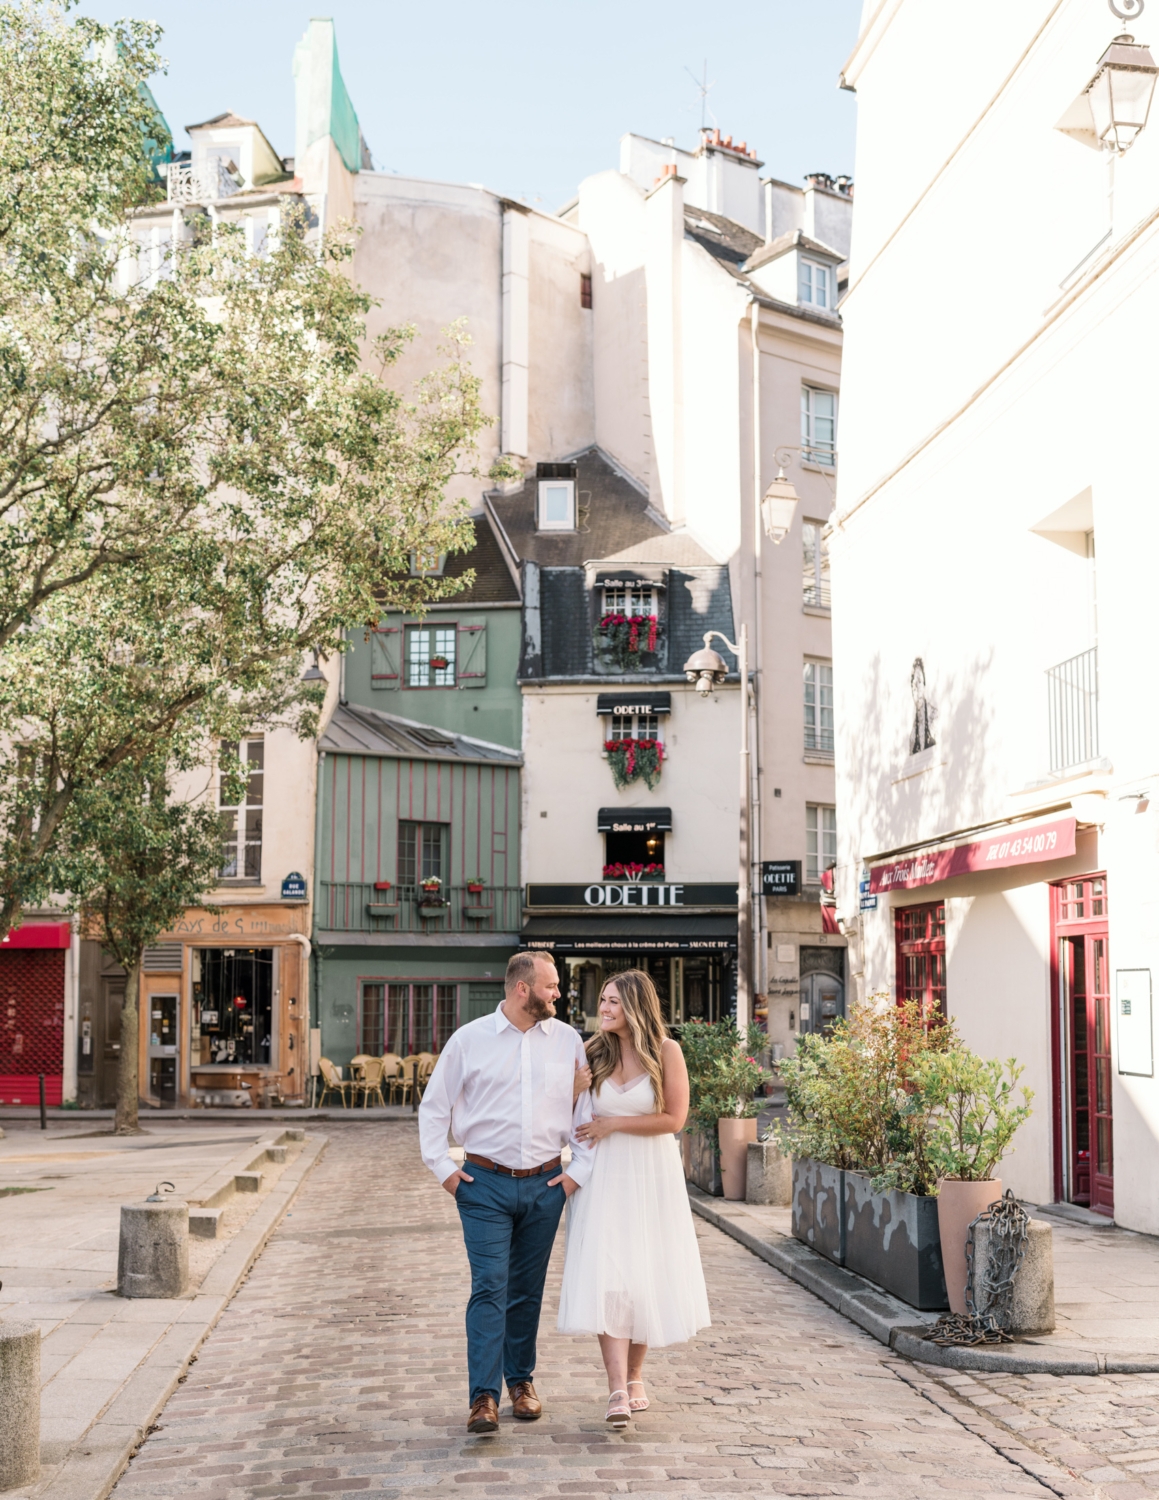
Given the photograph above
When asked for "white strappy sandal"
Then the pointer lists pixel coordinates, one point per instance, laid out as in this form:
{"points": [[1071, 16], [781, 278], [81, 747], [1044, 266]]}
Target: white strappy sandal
{"points": [[618, 1416], [638, 1403]]}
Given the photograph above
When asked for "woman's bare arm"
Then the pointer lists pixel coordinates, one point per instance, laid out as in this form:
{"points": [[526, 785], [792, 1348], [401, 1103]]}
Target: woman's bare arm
{"points": [[668, 1121]]}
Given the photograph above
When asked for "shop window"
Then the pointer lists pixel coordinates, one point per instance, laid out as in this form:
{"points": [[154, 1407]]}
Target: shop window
{"points": [[422, 852], [920, 933], [241, 822], [820, 842], [430, 656], [819, 707], [231, 1015], [815, 566], [818, 426], [407, 1017]]}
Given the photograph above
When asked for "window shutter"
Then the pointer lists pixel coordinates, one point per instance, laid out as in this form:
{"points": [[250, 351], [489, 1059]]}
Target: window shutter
{"points": [[472, 653], [385, 657]]}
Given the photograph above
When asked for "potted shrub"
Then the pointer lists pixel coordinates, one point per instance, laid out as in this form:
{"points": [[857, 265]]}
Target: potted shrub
{"points": [[973, 1118], [729, 1092], [705, 1044]]}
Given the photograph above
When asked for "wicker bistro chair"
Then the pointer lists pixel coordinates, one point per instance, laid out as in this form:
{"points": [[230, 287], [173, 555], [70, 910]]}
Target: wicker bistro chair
{"points": [[391, 1074], [333, 1082], [369, 1080], [412, 1076]]}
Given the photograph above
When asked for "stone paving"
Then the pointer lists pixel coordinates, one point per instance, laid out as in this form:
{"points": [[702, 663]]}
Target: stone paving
{"points": [[339, 1369]]}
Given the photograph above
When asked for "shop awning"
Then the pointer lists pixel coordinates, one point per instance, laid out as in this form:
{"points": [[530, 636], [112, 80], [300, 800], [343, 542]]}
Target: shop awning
{"points": [[631, 701], [39, 935], [642, 934], [634, 820], [1012, 845]]}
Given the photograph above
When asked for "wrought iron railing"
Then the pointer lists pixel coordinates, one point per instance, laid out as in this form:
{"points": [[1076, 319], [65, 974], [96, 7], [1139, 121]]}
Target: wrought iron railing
{"points": [[353, 907], [184, 185], [818, 741], [1073, 706]]}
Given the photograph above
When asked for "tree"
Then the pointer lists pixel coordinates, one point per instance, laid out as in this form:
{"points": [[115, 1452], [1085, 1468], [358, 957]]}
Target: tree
{"points": [[141, 860], [203, 473]]}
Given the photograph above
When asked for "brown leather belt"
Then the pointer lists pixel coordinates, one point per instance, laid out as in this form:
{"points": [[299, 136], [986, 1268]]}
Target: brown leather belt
{"points": [[493, 1166]]}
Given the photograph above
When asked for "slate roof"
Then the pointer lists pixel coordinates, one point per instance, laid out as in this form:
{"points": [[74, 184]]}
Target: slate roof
{"points": [[731, 245], [613, 514], [367, 731], [561, 644], [793, 240], [493, 581]]}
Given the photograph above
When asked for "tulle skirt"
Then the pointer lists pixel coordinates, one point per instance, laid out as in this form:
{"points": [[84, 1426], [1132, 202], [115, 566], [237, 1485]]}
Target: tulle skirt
{"points": [[632, 1268]]}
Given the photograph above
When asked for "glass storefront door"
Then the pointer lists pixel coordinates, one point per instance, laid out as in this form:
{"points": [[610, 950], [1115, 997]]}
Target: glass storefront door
{"points": [[162, 1049]]}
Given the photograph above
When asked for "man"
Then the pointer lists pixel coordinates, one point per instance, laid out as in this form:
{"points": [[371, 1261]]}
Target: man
{"points": [[504, 1085]]}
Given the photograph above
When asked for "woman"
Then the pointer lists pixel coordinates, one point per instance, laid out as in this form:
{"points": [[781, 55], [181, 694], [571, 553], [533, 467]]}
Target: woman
{"points": [[632, 1273]]}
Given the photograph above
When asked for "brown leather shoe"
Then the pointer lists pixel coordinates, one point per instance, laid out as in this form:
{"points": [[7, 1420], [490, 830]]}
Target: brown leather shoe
{"points": [[525, 1404], [484, 1416]]}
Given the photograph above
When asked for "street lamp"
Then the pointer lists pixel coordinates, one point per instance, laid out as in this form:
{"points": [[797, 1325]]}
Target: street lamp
{"points": [[1120, 93], [779, 505]]}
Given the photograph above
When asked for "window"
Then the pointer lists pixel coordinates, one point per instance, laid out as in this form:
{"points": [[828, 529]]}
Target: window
{"points": [[633, 727], [422, 852], [585, 291], [633, 848], [818, 426], [241, 822], [424, 564], [815, 284], [430, 655], [407, 1018], [556, 505], [815, 565], [819, 707], [820, 842], [921, 955], [231, 1015], [629, 599]]}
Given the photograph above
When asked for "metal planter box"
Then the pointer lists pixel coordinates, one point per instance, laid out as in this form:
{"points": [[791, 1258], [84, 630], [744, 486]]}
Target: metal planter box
{"points": [[890, 1238], [704, 1164], [818, 1195]]}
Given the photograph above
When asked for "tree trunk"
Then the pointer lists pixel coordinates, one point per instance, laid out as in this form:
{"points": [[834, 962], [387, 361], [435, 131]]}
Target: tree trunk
{"points": [[127, 1079]]}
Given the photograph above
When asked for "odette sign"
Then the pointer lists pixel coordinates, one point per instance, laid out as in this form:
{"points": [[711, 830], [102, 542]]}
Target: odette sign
{"points": [[633, 895]]}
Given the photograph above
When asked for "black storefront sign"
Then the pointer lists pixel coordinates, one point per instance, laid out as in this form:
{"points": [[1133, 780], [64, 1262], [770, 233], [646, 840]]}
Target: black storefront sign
{"points": [[781, 877], [632, 701], [634, 820], [633, 895], [630, 945]]}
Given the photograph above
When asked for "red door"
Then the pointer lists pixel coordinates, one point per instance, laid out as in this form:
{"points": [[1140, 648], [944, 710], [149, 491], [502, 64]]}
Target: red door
{"points": [[1084, 1144]]}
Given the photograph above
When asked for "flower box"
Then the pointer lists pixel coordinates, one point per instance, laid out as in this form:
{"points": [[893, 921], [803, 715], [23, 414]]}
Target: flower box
{"points": [[382, 885], [703, 1163], [890, 1238], [623, 639], [426, 903], [476, 887], [440, 663]]}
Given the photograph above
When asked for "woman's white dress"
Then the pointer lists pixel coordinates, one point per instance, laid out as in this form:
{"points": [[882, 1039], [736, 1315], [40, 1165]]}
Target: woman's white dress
{"points": [[633, 1265]]}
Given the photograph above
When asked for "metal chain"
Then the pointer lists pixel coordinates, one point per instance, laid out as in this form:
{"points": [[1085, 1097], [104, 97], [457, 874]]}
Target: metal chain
{"points": [[988, 1305]]}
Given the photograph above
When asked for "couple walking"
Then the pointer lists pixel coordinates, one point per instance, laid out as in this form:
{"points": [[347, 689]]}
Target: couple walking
{"points": [[513, 1087]]}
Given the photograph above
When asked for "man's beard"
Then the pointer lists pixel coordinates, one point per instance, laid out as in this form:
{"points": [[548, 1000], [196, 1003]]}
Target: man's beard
{"points": [[542, 1010]]}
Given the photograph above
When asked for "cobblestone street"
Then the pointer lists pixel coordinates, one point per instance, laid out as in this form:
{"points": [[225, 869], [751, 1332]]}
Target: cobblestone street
{"points": [[339, 1369]]}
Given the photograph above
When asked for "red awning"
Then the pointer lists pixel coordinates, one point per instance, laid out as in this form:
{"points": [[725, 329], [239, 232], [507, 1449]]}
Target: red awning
{"points": [[39, 935], [1010, 846]]}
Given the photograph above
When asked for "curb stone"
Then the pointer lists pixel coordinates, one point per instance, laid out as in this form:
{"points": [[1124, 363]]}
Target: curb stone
{"points": [[101, 1456], [899, 1326]]}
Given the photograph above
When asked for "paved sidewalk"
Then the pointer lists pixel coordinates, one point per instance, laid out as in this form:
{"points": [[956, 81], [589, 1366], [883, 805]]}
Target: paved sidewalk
{"points": [[107, 1363], [339, 1369], [1106, 1296]]}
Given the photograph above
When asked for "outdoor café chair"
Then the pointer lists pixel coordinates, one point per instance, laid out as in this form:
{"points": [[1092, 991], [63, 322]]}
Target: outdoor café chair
{"points": [[333, 1082], [391, 1073], [370, 1080]]}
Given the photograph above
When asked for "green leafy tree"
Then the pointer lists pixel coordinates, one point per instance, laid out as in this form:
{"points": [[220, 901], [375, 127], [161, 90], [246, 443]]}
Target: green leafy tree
{"points": [[204, 473], [141, 860]]}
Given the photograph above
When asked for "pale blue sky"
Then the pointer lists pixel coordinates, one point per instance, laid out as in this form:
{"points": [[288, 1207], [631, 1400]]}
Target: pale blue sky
{"points": [[525, 96]]}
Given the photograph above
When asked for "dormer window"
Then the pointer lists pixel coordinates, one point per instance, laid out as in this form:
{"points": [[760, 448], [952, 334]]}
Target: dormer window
{"points": [[427, 564], [816, 284], [555, 501]]}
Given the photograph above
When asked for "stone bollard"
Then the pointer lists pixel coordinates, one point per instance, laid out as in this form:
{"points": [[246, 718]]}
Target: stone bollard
{"points": [[19, 1404], [770, 1176], [1032, 1306], [154, 1251]]}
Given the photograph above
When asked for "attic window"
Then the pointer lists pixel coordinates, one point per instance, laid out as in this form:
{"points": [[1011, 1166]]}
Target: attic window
{"points": [[815, 284], [423, 564], [555, 506]]}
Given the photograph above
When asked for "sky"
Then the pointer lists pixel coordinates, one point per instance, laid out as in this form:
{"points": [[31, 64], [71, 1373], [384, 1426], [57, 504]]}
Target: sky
{"points": [[527, 97]]}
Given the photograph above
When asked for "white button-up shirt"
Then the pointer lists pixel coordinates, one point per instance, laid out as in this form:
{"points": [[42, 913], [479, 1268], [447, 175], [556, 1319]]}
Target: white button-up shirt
{"points": [[506, 1094]]}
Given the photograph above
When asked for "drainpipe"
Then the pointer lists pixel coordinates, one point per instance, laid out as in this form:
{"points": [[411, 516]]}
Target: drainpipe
{"points": [[759, 961], [314, 991]]}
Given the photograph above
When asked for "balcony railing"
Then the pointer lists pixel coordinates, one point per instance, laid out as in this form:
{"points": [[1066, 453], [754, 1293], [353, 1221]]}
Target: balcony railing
{"points": [[187, 186], [1073, 704], [353, 907], [818, 740]]}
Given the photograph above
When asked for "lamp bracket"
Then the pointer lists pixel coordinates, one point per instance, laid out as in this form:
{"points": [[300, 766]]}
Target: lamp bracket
{"points": [[1126, 10]]}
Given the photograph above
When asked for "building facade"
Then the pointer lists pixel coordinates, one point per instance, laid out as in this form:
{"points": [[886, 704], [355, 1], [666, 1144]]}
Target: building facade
{"points": [[991, 551]]}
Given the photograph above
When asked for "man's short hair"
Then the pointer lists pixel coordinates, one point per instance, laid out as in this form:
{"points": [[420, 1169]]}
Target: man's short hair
{"points": [[521, 969]]}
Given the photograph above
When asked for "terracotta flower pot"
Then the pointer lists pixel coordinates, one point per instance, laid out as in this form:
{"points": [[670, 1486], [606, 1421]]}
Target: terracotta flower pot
{"points": [[735, 1136], [959, 1204]]}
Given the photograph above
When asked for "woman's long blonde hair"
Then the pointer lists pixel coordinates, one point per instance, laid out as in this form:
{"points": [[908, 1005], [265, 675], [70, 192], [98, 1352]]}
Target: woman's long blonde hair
{"points": [[641, 1006]]}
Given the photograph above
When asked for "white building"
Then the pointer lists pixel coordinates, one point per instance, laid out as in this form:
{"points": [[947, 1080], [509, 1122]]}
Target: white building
{"points": [[996, 744]]}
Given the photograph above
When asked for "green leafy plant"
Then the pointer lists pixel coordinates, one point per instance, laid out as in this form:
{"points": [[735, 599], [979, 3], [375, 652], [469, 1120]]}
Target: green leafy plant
{"points": [[632, 759], [723, 1077], [623, 639], [973, 1111]]}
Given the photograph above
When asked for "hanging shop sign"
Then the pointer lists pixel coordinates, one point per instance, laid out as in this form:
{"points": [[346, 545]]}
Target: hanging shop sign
{"points": [[625, 895], [1012, 846], [780, 877]]}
